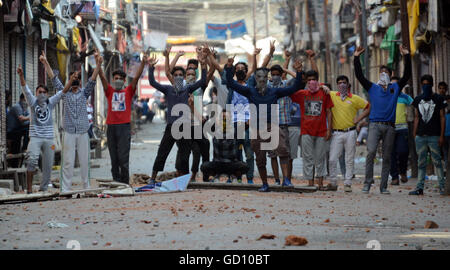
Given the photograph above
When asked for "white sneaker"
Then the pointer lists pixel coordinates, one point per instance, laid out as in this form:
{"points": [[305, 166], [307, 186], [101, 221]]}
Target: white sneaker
{"points": [[347, 188], [233, 179]]}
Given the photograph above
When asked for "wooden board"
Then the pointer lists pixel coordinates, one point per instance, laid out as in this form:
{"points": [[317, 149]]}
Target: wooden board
{"points": [[274, 188], [27, 197]]}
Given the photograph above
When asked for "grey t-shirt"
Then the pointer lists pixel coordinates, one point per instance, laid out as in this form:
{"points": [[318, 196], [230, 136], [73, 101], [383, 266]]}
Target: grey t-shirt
{"points": [[41, 125]]}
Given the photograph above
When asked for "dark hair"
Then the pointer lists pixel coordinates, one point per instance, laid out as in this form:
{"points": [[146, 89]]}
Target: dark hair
{"points": [[427, 77], [214, 90], [120, 73], [312, 73], [193, 61], [388, 68], [190, 69], [342, 77], [327, 85], [262, 68], [22, 96], [395, 78], [179, 68], [242, 63], [277, 68], [43, 86], [443, 84]]}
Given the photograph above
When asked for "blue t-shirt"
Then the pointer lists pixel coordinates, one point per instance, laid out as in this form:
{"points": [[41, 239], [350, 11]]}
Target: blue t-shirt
{"points": [[383, 103], [447, 125]]}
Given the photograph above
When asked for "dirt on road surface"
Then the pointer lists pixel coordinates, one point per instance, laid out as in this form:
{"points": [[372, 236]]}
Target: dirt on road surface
{"points": [[232, 220]]}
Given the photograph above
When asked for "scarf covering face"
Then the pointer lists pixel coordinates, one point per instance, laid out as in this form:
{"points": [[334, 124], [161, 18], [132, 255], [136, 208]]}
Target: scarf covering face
{"points": [[426, 91], [313, 86], [276, 81], [118, 85], [178, 83], [384, 79], [240, 75], [190, 78], [343, 90]]}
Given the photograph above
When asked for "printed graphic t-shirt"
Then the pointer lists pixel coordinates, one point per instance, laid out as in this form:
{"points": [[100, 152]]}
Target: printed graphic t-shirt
{"points": [[119, 105], [313, 108], [429, 115]]}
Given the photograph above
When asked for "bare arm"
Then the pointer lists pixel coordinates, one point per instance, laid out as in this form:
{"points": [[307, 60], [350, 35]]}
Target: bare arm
{"points": [[290, 72], [270, 55], [139, 73], [167, 68], [70, 81], [47, 67], [312, 60], [254, 64], [101, 74], [287, 56], [175, 60], [364, 114], [416, 121], [330, 124]]}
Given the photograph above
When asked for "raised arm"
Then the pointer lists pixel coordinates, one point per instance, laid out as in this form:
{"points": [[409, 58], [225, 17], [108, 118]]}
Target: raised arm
{"points": [[167, 68], [312, 60], [175, 60], [26, 90], [290, 72], [298, 83], [138, 74], [287, 59], [151, 77], [202, 82], [407, 70], [207, 52], [47, 67], [254, 64], [101, 74], [358, 69], [70, 81], [268, 57]]}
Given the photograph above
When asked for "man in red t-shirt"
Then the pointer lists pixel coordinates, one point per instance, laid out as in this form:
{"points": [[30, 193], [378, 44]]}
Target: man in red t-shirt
{"points": [[118, 120], [315, 104]]}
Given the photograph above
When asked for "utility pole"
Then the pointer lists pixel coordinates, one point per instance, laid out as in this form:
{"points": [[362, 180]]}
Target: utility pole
{"points": [[327, 44], [363, 37], [254, 22], [406, 42], [267, 17], [308, 18]]}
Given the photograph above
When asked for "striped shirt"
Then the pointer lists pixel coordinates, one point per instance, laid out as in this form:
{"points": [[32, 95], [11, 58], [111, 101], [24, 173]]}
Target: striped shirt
{"points": [[284, 104], [41, 121], [75, 113]]}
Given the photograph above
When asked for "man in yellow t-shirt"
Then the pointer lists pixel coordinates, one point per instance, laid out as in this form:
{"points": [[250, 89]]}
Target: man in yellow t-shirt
{"points": [[345, 119]]}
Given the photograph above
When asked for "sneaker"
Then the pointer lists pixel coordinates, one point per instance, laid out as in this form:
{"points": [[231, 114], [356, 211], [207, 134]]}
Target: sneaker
{"points": [[416, 192], [264, 188], [347, 188], [152, 182], [385, 192], [229, 181], [395, 182], [277, 181], [287, 183], [403, 178], [233, 179], [250, 181], [366, 188]]}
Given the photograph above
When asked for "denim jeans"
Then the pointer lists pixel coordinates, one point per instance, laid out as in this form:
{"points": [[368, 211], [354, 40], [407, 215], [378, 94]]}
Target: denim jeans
{"points": [[422, 145], [400, 152]]}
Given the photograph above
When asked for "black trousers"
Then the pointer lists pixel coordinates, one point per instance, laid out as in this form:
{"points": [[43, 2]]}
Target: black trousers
{"points": [[119, 143], [200, 147], [167, 142], [214, 168]]}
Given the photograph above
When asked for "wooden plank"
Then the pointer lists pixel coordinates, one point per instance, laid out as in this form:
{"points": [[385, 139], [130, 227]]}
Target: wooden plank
{"points": [[227, 186], [81, 191], [27, 197]]}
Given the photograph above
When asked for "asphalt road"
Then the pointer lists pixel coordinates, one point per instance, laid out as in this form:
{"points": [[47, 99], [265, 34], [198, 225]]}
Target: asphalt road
{"points": [[225, 219]]}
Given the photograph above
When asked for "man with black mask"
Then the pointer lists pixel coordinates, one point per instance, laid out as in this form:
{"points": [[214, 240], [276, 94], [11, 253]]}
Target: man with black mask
{"points": [[118, 119], [429, 128]]}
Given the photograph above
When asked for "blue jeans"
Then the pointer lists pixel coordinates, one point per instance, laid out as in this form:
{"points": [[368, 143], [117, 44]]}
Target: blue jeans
{"points": [[422, 145], [249, 155], [400, 152]]}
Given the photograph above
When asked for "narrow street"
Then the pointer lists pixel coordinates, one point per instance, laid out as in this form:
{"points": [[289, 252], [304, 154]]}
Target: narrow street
{"points": [[225, 219]]}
